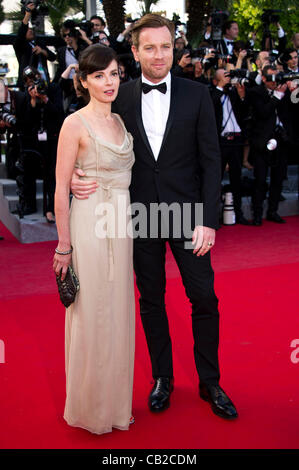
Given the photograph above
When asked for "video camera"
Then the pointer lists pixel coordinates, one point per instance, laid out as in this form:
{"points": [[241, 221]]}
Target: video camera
{"points": [[269, 17], [218, 17], [41, 87]]}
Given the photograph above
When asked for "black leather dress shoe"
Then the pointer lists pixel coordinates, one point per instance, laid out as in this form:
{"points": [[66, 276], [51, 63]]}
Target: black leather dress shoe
{"points": [[159, 398], [274, 217], [220, 403], [257, 220]]}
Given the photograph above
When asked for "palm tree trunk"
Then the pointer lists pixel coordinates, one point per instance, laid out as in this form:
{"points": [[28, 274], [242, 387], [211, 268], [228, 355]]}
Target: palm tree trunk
{"points": [[115, 15]]}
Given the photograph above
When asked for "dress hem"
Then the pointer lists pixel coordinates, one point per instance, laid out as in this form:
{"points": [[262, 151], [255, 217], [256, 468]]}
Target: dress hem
{"points": [[110, 429]]}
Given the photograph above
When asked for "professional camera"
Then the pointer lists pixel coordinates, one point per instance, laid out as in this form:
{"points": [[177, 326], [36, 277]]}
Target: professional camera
{"points": [[176, 20], [242, 76], [282, 77], [269, 17], [219, 17], [41, 87], [239, 73], [7, 117], [4, 106], [95, 37], [86, 26], [40, 8]]}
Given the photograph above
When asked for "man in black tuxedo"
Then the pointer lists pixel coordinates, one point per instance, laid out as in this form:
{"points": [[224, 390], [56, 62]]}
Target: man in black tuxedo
{"points": [[231, 109], [177, 160], [271, 119]]}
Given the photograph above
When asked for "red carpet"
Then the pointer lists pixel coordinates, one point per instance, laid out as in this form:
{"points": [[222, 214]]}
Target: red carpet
{"points": [[257, 283]]}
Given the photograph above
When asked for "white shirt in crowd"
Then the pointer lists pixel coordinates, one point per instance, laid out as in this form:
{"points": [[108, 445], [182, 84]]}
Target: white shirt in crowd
{"points": [[155, 110], [229, 120]]}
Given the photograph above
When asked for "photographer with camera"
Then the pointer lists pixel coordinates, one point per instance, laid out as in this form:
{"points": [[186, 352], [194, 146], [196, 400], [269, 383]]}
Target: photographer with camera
{"points": [[241, 58], [270, 136], [67, 57], [289, 60], [231, 109], [39, 117], [30, 51]]}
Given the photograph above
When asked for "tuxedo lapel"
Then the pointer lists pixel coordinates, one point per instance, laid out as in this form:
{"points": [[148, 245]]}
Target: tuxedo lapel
{"points": [[172, 112], [137, 100]]}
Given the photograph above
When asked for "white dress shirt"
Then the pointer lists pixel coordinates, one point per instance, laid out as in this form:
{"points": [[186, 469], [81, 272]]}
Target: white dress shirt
{"points": [[229, 120], [70, 58], [230, 47], [154, 111]]}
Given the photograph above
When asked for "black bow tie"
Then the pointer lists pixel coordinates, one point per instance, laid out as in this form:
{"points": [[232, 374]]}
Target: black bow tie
{"points": [[162, 87], [230, 43]]}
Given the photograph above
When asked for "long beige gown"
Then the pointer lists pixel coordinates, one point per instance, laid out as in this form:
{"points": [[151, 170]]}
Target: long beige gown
{"points": [[100, 324]]}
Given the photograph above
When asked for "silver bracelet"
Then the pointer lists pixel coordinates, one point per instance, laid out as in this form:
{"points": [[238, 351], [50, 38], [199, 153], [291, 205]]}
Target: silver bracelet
{"points": [[64, 252]]}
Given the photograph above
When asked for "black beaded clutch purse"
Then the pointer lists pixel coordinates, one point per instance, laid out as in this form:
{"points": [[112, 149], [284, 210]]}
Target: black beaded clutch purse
{"points": [[69, 287]]}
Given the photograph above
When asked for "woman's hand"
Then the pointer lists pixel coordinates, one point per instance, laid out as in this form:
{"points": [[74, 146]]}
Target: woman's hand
{"points": [[61, 262]]}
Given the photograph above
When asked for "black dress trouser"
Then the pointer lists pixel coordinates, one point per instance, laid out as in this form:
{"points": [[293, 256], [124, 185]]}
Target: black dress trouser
{"points": [[262, 162], [198, 279]]}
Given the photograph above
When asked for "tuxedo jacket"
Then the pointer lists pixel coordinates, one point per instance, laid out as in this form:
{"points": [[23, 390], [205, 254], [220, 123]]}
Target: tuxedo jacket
{"points": [[188, 168], [265, 109], [240, 108]]}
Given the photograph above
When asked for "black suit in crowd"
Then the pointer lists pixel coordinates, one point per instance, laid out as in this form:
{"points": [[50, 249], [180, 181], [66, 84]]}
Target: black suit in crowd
{"points": [[188, 170], [265, 110], [232, 145], [30, 120], [23, 50]]}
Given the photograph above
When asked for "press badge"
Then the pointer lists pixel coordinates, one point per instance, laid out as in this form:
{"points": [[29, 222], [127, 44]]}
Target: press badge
{"points": [[42, 136]]}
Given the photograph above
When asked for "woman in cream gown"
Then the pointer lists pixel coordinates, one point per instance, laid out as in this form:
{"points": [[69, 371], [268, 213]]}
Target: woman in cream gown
{"points": [[99, 328]]}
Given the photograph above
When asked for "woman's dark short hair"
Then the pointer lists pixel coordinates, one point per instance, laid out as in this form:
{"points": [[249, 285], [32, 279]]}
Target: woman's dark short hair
{"points": [[93, 58]]}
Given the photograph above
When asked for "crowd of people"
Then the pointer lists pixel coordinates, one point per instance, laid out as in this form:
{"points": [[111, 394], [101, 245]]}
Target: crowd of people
{"points": [[253, 93]]}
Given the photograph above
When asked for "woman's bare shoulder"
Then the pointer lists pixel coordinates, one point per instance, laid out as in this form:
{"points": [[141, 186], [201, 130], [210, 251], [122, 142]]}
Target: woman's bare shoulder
{"points": [[72, 121]]}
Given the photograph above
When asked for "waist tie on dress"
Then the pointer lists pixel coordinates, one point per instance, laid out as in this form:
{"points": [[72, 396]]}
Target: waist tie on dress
{"points": [[107, 191]]}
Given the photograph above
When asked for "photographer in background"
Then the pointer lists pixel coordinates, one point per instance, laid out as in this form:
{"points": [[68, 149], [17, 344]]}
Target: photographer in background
{"points": [[231, 109], [241, 58], [29, 51], [39, 115], [289, 60], [98, 24], [269, 140], [68, 56]]}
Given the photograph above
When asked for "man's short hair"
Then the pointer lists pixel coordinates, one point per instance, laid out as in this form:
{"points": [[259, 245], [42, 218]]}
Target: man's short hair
{"points": [[95, 17], [266, 69], [227, 25], [287, 54], [151, 20]]}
